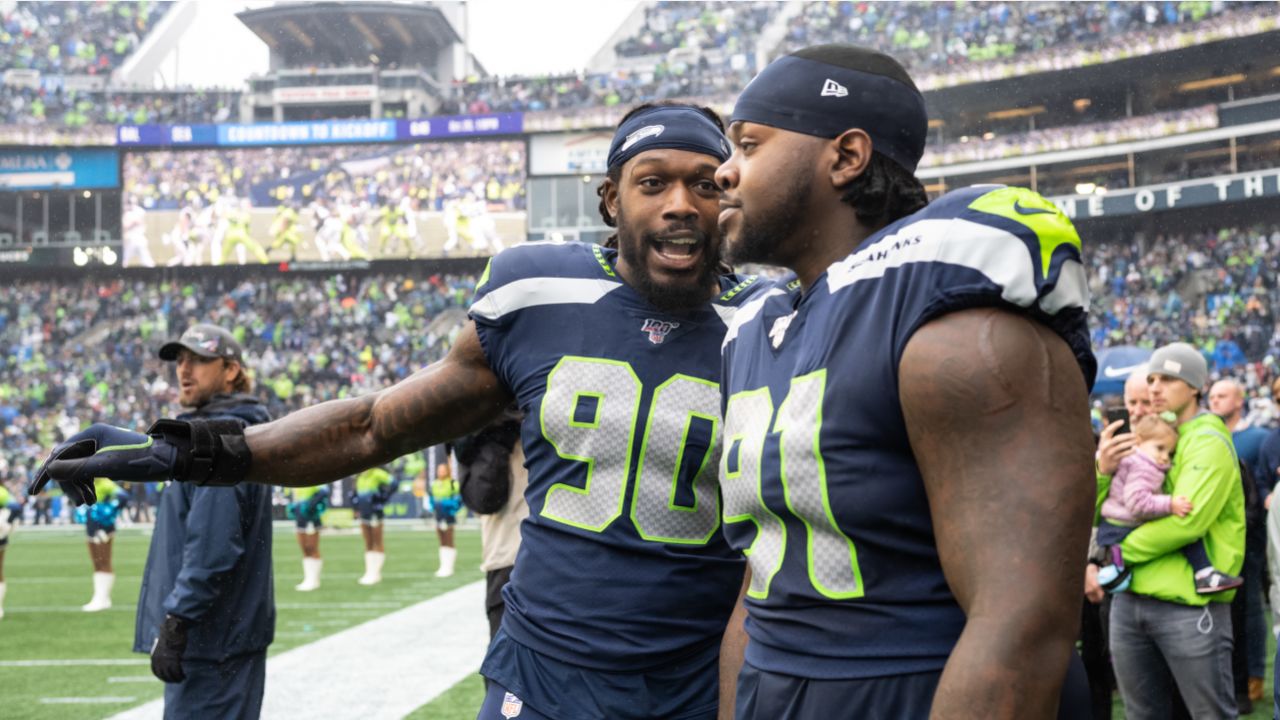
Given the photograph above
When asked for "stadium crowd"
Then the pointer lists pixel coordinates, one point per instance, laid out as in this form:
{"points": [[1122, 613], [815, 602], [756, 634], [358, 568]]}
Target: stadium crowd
{"points": [[431, 173], [76, 109], [72, 354], [1072, 137], [704, 50], [731, 27], [1216, 290], [74, 38], [66, 350], [929, 37]]}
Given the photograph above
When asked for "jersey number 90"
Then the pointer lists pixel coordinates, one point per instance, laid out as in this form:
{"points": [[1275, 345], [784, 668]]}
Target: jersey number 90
{"points": [[591, 413]]}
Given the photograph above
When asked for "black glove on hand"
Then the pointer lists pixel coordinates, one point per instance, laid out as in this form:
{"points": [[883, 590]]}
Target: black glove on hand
{"points": [[166, 654], [206, 452]]}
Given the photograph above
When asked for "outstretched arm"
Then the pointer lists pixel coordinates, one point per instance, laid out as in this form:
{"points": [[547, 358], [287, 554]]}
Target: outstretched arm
{"points": [[997, 414], [332, 440]]}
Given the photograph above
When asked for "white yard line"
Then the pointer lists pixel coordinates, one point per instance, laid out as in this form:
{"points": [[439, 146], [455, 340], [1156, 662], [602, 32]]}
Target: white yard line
{"points": [[359, 673], [74, 663], [104, 700], [134, 679]]}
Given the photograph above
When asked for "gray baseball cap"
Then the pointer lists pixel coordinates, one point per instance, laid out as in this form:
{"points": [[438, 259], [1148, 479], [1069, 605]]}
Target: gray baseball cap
{"points": [[207, 341], [1181, 361]]}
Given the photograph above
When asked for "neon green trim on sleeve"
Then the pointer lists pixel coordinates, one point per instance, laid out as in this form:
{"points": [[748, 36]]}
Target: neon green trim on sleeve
{"points": [[1052, 227], [484, 276]]}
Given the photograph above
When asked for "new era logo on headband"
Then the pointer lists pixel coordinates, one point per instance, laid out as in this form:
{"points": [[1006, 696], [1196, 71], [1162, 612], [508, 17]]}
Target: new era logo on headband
{"points": [[831, 88], [642, 133]]}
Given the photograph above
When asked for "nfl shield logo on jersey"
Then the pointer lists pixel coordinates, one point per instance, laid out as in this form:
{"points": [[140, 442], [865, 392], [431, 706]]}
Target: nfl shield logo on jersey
{"points": [[658, 329], [511, 705]]}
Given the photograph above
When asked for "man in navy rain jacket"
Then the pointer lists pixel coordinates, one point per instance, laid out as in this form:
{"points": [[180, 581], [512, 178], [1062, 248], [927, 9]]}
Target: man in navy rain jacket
{"points": [[207, 608]]}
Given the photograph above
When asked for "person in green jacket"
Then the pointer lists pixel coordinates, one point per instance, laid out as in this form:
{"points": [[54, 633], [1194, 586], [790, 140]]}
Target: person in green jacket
{"points": [[373, 488], [1162, 630]]}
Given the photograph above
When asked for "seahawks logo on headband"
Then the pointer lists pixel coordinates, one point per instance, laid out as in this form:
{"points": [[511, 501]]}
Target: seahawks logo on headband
{"points": [[642, 133]]}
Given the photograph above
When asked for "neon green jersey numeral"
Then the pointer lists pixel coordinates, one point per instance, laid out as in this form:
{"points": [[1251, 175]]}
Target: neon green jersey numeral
{"points": [[830, 554], [746, 422], [589, 415], [604, 443]]}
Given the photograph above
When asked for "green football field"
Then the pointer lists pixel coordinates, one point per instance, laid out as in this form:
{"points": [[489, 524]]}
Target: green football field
{"points": [[59, 662]]}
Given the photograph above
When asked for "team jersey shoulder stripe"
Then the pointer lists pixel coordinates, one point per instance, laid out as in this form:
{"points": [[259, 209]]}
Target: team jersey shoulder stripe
{"points": [[1051, 228], [997, 254], [536, 291], [747, 312], [726, 306], [598, 253], [736, 290]]}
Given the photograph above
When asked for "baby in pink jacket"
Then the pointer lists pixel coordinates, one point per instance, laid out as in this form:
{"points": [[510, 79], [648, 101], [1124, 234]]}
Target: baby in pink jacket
{"points": [[1137, 495]]}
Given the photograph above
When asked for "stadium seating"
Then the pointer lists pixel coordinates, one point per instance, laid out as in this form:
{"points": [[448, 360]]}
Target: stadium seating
{"points": [[75, 353], [937, 36], [1217, 289], [700, 51], [74, 38], [67, 349]]}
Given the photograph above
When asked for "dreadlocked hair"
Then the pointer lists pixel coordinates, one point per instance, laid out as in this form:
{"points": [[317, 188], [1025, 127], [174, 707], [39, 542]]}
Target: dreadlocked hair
{"points": [[884, 192], [614, 174]]}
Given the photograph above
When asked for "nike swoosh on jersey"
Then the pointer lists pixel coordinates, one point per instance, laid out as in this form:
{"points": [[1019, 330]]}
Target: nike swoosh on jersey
{"points": [[1023, 210]]}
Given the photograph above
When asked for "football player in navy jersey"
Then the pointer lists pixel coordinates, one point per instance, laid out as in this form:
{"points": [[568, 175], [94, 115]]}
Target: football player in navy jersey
{"points": [[624, 582], [907, 451]]}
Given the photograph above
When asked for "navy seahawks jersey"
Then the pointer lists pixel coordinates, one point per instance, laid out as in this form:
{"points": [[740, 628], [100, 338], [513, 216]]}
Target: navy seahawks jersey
{"points": [[622, 563], [820, 486]]}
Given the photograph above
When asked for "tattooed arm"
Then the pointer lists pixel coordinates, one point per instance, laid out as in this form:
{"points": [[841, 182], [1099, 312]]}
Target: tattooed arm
{"points": [[997, 414], [332, 440]]}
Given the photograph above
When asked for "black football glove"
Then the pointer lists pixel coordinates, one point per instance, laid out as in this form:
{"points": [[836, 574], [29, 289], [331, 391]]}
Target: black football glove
{"points": [[171, 644], [205, 452]]}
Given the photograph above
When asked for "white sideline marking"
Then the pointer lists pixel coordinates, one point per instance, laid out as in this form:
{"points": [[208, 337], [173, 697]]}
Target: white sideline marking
{"points": [[74, 663], [103, 700], [339, 606], [134, 679], [115, 607], [442, 640]]}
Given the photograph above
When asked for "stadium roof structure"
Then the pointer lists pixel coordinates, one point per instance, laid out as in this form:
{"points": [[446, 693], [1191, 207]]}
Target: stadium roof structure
{"points": [[348, 33]]}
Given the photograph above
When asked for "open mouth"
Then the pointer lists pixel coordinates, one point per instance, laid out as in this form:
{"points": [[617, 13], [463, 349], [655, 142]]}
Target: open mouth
{"points": [[678, 251]]}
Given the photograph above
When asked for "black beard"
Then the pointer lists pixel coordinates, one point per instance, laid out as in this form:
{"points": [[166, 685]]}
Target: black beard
{"points": [[668, 297], [761, 237]]}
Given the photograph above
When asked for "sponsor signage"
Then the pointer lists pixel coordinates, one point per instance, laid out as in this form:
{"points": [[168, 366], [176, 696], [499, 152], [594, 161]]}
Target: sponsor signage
{"points": [[52, 169], [461, 126], [1171, 196], [325, 94], [318, 132], [159, 135], [585, 153]]}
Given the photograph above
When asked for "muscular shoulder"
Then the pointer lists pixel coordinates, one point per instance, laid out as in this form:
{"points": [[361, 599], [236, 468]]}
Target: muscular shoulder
{"points": [[987, 361], [987, 246]]}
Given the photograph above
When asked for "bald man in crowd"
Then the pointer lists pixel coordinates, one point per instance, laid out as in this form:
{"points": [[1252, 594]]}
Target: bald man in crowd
{"points": [[1227, 401]]}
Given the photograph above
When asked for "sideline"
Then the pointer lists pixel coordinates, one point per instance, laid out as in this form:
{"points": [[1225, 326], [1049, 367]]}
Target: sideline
{"points": [[385, 668]]}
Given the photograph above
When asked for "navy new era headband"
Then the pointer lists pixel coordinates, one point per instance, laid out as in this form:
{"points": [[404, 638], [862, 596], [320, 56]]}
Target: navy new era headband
{"points": [[816, 98], [679, 128]]}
